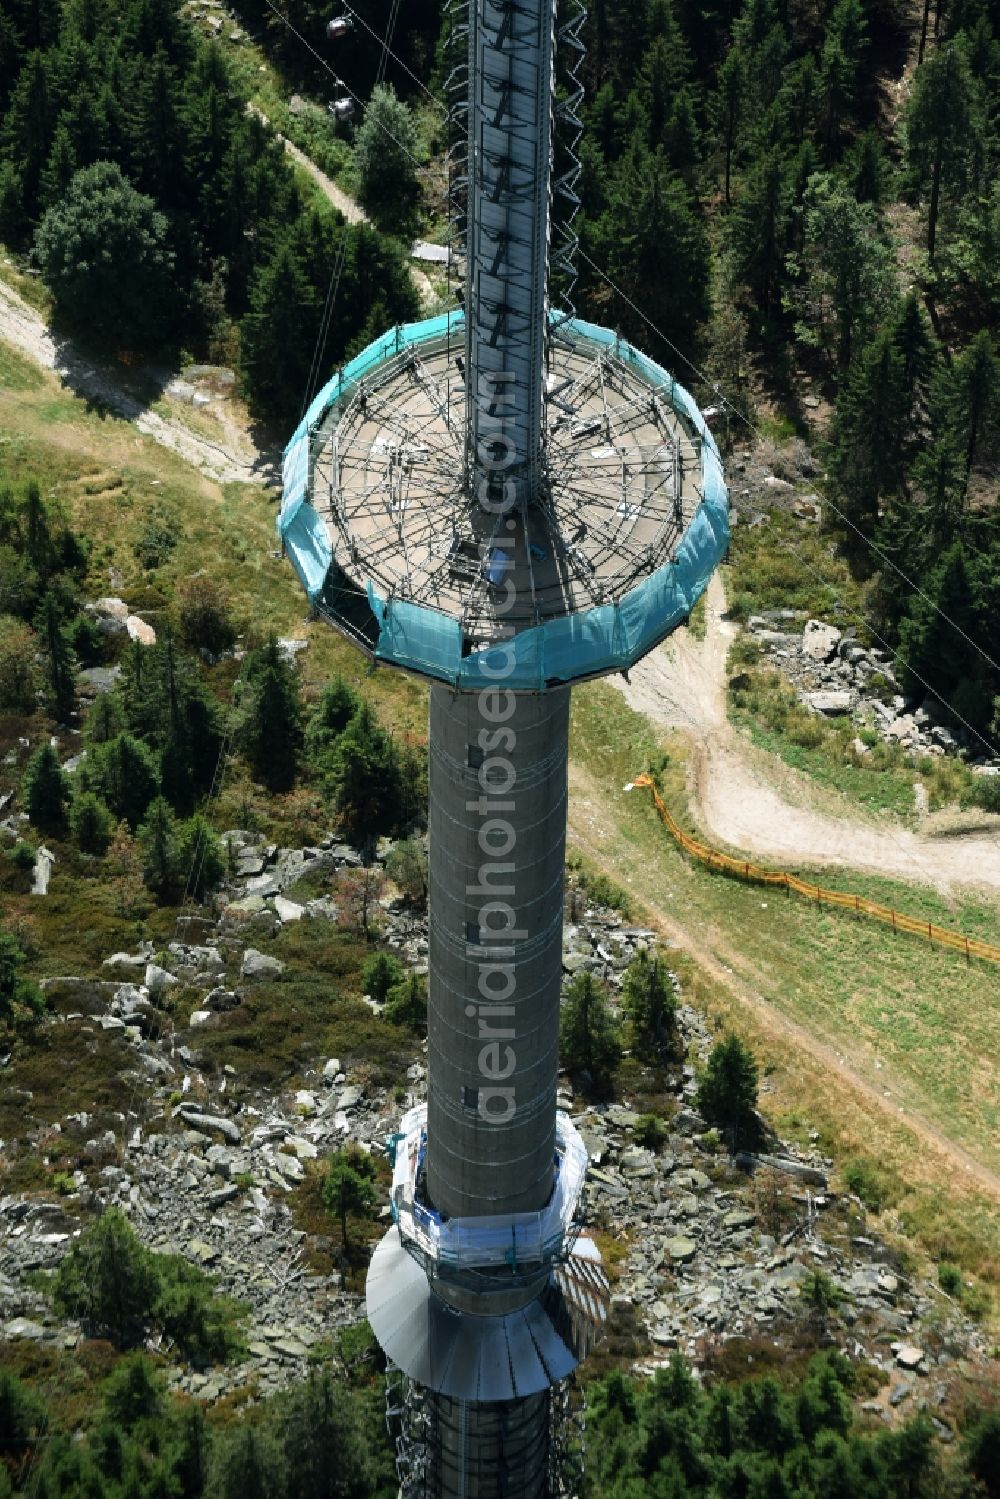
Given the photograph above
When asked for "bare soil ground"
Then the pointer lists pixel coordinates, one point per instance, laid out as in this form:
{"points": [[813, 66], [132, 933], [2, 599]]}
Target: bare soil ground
{"points": [[230, 457], [752, 802]]}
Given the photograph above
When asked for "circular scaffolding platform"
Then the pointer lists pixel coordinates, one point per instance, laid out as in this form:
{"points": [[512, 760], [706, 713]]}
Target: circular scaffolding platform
{"points": [[609, 557]]}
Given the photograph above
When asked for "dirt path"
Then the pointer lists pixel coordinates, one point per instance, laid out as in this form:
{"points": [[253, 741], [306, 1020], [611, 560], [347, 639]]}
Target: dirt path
{"points": [[756, 804], [590, 830], [27, 331]]}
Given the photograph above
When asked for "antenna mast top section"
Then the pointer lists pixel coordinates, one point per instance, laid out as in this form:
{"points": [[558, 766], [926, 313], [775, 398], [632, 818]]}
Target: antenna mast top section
{"points": [[510, 110]]}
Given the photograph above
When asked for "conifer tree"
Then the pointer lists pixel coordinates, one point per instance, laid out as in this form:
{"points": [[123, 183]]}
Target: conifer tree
{"points": [[157, 838], [381, 973], [648, 1001], [60, 663], [330, 718], [727, 1092], [269, 718], [106, 719], [936, 649], [940, 125], [758, 233], [364, 779], [37, 538], [45, 789], [123, 772], [406, 1004], [200, 857], [90, 823], [728, 109], [974, 397], [588, 1036], [385, 152], [18, 995], [348, 1190], [18, 671], [873, 417]]}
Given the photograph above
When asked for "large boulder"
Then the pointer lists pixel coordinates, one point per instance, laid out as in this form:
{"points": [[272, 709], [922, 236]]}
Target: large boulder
{"points": [[819, 641], [257, 965], [830, 704], [158, 980], [210, 1123]]}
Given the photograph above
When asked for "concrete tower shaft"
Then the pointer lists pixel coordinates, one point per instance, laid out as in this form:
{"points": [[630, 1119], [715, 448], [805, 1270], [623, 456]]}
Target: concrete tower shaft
{"points": [[497, 840], [495, 1451], [543, 511], [510, 109]]}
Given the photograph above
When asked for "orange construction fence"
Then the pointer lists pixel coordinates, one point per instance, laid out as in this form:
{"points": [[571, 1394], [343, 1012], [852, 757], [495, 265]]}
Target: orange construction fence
{"points": [[972, 947]]}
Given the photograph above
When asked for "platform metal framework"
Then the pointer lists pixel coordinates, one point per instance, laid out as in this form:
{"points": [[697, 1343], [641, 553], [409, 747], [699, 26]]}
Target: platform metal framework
{"points": [[622, 484]]}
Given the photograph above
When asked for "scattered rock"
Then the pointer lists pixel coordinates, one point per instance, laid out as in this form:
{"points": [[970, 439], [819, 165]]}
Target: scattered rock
{"points": [[288, 910], [139, 630], [681, 1249], [158, 981], [112, 608], [908, 1356], [819, 641], [210, 1123], [23, 1327], [831, 704], [221, 1000], [257, 965], [246, 907]]}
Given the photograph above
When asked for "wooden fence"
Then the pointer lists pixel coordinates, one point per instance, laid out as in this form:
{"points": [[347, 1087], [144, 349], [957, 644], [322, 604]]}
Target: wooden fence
{"points": [[755, 874]]}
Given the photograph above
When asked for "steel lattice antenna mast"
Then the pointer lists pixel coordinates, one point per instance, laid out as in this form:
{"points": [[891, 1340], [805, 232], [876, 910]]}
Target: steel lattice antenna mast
{"points": [[504, 500]]}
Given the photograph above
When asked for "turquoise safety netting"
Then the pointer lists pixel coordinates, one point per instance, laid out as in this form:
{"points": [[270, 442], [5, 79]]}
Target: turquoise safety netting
{"points": [[598, 640]]}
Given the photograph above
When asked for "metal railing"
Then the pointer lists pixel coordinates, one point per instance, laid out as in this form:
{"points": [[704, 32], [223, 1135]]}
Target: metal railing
{"points": [[756, 874]]}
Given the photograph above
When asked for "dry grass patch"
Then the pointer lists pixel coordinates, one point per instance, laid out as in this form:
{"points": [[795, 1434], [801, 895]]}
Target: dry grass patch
{"points": [[917, 1024]]}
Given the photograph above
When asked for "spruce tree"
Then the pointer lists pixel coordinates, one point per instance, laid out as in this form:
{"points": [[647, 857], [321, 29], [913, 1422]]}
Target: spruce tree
{"points": [[90, 823], [201, 860], [385, 152], [940, 126], [728, 109], [17, 994], [106, 719], [727, 1092], [648, 1001], [123, 772], [37, 538], [974, 397], [269, 719], [18, 671], [60, 662], [348, 1190], [873, 418], [158, 840], [758, 233], [406, 1004], [364, 779], [381, 973], [936, 649], [589, 1041], [329, 719], [45, 790]]}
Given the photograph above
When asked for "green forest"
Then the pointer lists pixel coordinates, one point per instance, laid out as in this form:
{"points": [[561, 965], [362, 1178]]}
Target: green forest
{"points": [[782, 188], [768, 190]]}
